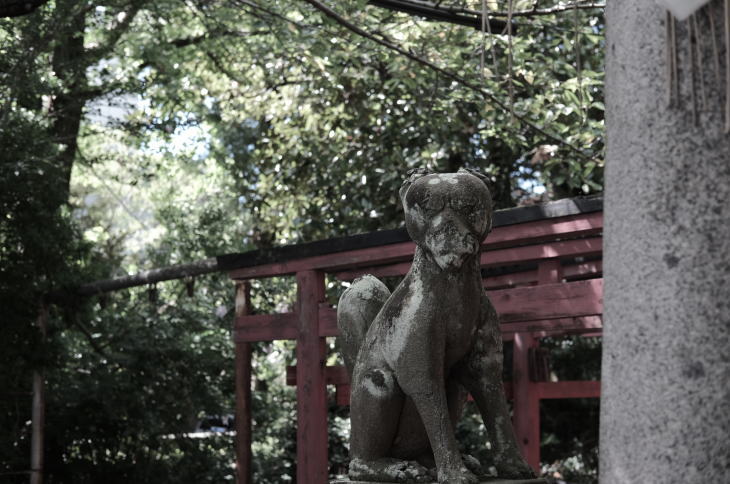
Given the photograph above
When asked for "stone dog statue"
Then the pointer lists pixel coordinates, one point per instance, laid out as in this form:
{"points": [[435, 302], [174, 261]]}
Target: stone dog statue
{"points": [[413, 355]]}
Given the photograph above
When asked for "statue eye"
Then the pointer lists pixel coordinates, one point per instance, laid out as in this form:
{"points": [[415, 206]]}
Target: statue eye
{"points": [[466, 206], [433, 203]]}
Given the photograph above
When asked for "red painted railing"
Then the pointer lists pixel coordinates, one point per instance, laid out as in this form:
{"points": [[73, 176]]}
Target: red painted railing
{"points": [[543, 275]]}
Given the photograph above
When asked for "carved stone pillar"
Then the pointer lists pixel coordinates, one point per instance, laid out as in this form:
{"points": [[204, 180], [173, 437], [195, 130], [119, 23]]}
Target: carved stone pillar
{"points": [[666, 369]]}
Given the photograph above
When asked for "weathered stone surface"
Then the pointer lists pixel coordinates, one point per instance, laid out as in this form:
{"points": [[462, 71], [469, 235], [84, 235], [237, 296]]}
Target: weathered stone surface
{"points": [[665, 378], [413, 355]]}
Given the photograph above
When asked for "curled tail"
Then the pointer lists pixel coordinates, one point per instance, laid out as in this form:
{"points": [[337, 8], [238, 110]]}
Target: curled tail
{"points": [[357, 308]]}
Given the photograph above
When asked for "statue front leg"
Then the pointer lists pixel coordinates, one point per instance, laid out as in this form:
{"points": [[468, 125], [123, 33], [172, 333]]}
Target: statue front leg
{"points": [[377, 402], [489, 398], [481, 374], [424, 384]]}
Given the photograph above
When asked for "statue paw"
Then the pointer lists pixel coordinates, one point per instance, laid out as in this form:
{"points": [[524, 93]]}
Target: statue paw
{"points": [[514, 468], [473, 464], [457, 476], [412, 471], [388, 470]]}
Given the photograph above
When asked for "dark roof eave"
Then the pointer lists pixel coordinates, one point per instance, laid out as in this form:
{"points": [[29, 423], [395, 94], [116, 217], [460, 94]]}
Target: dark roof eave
{"points": [[509, 216]]}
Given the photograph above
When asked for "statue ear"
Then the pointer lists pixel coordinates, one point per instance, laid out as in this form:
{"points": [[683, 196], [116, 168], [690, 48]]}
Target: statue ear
{"points": [[412, 175], [486, 181], [477, 174]]}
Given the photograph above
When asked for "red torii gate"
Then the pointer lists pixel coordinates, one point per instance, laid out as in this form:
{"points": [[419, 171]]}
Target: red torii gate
{"points": [[542, 270]]}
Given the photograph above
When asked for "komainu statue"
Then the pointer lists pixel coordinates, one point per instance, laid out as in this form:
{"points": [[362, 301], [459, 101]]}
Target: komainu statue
{"points": [[414, 355]]}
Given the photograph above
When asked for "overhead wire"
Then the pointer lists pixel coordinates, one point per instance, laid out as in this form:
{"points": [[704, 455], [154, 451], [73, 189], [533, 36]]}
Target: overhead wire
{"points": [[447, 73]]}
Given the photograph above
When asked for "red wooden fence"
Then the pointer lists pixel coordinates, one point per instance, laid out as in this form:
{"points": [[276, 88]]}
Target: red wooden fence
{"points": [[542, 272]]}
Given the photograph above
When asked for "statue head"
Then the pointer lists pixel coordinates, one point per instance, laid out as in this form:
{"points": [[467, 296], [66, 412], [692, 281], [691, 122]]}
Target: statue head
{"points": [[448, 215]]}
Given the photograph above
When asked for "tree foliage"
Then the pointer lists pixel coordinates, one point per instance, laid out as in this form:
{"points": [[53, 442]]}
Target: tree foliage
{"points": [[143, 133]]}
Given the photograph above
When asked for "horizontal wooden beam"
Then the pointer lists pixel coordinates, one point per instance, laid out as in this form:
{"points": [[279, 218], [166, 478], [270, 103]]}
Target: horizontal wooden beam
{"points": [[592, 334], [506, 337], [573, 226], [330, 262], [505, 281], [571, 271], [571, 307], [530, 216], [403, 251], [152, 276], [549, 301], [390, 270], [551, 250], [519, 226], [337, 375], [342, 395], [334, 375], [541, 328], [520, 234], [545, 390], [586, 327], [583, 325], [587, 247], [548, 307], [576, 325], [583, 270], [568, 389], [265, 327]]}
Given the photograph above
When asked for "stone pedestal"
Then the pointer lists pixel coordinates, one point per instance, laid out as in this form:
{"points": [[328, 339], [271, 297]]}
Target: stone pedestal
{"points": [[665, 373], [492, 481]]}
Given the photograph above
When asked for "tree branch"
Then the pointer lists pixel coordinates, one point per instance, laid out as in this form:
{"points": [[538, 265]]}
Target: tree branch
{"points": [[115, 34], [489, 97], [186, 41], [533, 12], [440, 14], [255, 6], [537, 12], [17, 8], [89, 337], [219, 65], [205, 266]]}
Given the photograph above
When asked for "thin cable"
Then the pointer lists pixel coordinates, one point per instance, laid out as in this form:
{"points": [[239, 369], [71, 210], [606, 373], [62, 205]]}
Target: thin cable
{"points": [[510, 74], [492, 45], [484, 39], [727, 66], [670, 72], [675, 67], [446, 73], [578, 68], [700, 62], [692, 70], [715, 48]]}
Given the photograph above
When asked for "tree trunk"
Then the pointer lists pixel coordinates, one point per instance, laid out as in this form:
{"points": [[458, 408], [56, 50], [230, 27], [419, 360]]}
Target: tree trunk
{"points": [[70, 67]]}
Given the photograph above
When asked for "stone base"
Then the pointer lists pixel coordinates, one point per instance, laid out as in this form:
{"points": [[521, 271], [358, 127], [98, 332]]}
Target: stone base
{"points": [[489, 481]]}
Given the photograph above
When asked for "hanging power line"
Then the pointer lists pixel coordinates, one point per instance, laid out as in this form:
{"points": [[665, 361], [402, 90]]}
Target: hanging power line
{"points": [[489, 97], [438, 13]]}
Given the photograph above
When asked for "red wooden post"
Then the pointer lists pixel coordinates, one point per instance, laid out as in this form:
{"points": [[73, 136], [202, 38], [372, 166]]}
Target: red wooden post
{"points": [[243, 391], [526, 392], [311, 387], [526, 417]]}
